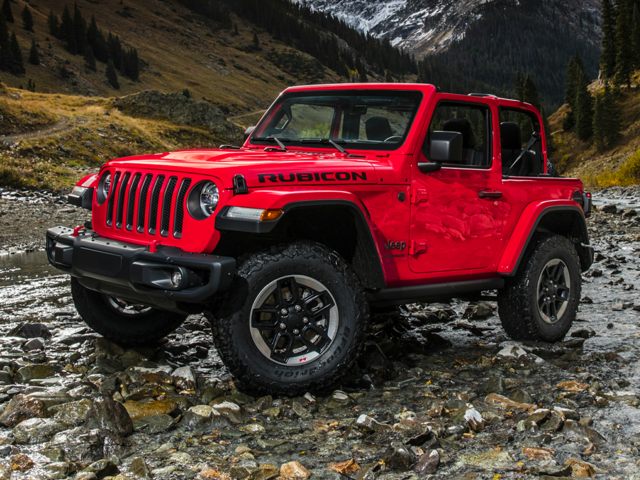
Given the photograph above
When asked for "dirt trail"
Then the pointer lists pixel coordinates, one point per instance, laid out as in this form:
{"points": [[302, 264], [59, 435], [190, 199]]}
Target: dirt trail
{"points": [[61, 126]]}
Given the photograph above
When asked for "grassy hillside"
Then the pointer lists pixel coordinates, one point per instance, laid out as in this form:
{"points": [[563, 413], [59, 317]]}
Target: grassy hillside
{"points": [[49, 141], [178, 48], [619, 165]]}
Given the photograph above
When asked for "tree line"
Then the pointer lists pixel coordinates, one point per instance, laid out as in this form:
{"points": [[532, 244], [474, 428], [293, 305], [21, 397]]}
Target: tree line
{"points": [[595, 117], [11, 57], [86, 38], [335, 44]]}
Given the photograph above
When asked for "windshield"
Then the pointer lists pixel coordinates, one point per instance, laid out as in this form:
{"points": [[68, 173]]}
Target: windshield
{"points": [[351, 119]]}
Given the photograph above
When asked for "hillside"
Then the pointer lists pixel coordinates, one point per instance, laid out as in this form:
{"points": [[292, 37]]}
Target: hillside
{"points": [[480, 45], [49, 141], [233, 61], [619, 165]]}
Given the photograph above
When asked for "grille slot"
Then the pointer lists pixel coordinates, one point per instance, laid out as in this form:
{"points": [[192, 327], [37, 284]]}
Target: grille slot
{"points": [[180, 206], [131, 201], [112, 196], [166, 206], [153, 208], [142, 202], [121, 196]]}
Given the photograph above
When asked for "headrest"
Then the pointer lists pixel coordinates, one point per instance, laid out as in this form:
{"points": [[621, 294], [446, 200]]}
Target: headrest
{"points": [[510, 136], [378, 128], [463, 126]]}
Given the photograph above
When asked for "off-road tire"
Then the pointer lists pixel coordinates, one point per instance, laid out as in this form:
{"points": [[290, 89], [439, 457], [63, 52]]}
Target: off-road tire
{"points": [[127, 330], [255, 373], [518, 300]]}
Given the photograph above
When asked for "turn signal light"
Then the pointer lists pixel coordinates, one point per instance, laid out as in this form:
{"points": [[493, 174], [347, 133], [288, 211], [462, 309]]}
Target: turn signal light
{"points": [[269, 215]]}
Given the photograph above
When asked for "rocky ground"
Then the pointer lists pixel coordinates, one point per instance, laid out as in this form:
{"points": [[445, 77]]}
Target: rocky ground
{"points": [[440, 392]]}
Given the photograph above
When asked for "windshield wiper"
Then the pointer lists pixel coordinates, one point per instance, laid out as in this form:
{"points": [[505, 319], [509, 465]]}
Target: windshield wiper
{"points": [[325, 141], [276, 140]]}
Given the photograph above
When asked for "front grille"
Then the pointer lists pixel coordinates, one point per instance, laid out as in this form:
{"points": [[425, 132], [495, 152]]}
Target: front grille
{"points": [[142, 203]]}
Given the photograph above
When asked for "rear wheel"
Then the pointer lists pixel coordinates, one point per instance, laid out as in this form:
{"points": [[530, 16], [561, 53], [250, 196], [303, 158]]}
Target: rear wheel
{"points": [[294, 322], [122, 322], [541, 301]]}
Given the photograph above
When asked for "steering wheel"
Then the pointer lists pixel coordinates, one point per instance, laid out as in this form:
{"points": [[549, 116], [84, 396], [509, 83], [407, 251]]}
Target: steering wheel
{"points": [[393, 138]]}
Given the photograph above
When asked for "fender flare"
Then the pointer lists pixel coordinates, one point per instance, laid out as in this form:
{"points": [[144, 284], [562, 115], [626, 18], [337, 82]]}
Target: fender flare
{"points": [[530, 223]]}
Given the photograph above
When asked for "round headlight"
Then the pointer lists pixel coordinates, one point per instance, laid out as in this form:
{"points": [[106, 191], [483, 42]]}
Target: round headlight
{"points": [[104, 187], [209, 197]]}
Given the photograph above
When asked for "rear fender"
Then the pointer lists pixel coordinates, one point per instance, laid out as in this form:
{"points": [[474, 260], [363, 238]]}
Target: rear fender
{"points": [[562, 217]]}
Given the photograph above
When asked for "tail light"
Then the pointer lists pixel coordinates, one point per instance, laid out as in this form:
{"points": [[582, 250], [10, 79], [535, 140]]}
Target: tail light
{"points": [[584, 200]]}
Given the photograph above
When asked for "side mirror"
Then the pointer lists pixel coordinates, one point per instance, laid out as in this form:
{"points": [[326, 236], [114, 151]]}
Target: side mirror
{"points": [[444, 147], [248, 131]]}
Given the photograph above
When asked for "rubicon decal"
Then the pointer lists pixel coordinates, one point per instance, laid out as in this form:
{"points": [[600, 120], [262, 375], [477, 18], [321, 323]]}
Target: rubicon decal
{"points": [[311, 177]]}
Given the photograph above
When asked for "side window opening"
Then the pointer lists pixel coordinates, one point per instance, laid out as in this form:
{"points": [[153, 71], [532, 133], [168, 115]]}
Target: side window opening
{"points": [[520, 143], [470, 120]]}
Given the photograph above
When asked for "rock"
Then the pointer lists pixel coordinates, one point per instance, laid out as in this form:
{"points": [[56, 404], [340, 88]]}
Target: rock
{"points": [[367, 423], [36, 371], [230, 410], [72, 414], [204, 411], [494, 459], [110, 415], [20, 463], [609, 208], [584, 333], [183, 378], [160, 423], [572, 386], [535, 453], [252, 428], [102, 468], [553, 423], [21, 407], [494, 384], [581, 469], [30, 330], [427, 463], [399, 457], [294, 471], [58, 470], [205, 474], [474, 419], [146, 408], [347, 468], [511, 350], [479, 311], [506, 403], [139, 468], [33, 344], [340, 397], [36, 430]]}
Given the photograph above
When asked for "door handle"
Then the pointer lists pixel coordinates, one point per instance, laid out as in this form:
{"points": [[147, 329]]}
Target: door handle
{"points": [[489, 194]]}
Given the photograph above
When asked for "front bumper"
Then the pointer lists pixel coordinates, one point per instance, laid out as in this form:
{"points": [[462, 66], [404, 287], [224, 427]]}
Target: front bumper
{"points": [[168, 278]]}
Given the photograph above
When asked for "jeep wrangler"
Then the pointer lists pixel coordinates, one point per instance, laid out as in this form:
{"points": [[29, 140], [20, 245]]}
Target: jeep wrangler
{"points": [[344, 198]]}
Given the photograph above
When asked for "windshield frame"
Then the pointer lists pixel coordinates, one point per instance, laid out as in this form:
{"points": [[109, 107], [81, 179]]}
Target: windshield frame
{"points": [[266, 141]]}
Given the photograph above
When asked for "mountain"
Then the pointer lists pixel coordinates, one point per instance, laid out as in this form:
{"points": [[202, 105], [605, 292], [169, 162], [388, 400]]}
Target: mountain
{"points": [[482, 44], [238, 54]]}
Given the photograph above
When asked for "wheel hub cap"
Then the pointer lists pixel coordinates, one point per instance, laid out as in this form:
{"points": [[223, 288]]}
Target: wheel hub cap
{"points": [[294, 320], [554, 291]]}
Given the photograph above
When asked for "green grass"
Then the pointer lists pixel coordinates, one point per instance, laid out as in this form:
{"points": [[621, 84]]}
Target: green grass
{"points": [[627, 174]]}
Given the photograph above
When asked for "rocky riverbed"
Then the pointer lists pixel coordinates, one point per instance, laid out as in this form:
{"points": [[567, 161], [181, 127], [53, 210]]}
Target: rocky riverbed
{"points": [[440, 393]]}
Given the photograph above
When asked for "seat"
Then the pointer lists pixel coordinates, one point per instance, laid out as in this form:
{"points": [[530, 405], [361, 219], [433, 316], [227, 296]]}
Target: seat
{"points": [[378, 129], [511, 143], [471, 156]]}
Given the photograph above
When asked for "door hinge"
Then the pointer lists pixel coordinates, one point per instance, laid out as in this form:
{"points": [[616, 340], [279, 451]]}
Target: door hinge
{"points": [[419, 195], [417, 247]]}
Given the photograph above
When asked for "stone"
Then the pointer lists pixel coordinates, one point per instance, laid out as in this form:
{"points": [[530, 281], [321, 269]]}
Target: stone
{"points": [[348, 467], [479, 311], [610, 208], [474, 419], [183, 378], [58, 470], [399, 457], [294, 471], [36, 371], [73, 414], [538, 453], [21, 407], [146, 408], [427, 463], [110, 415], [20, 463], [158, 423], [33, 344], [36, 430], [572, 386], [229, 409], [367, 423], [584, 333], [139, 468], [580, 468], [102, 468], [506, 403], [252, 428], [30, 330], [494, 459]]}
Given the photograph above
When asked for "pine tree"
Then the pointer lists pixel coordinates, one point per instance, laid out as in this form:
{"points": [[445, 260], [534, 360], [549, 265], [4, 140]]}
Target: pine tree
{"points": [[611, 116], [31, 85], [34, 55], [17, 65], [79, 29], [635, 35], [6, 11], [90, 59], [608, 56], [67, 32], [575, 71], [530, 91], [131, 64], [5, 45], [584, 110], [598, 123], [54, 24], [256, 41], [624, 54], [112, 76], [27, 19]]}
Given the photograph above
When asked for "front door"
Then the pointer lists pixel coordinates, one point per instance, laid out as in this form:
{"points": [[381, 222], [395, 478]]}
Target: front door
{"points": [[457, 212]]}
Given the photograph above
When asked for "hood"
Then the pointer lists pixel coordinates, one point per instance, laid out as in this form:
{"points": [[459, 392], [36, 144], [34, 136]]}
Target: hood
{"points": [[260, 168]]}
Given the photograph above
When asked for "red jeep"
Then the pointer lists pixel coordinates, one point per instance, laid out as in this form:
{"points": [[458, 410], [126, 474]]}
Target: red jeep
{"points": [[343, 197]]}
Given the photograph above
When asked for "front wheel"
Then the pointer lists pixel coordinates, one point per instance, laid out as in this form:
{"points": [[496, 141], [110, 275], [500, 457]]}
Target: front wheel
{"points": [[120, 321], [293, 322], [541, 301]]}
